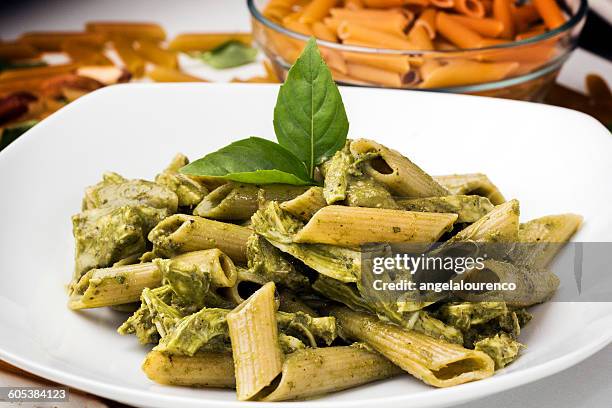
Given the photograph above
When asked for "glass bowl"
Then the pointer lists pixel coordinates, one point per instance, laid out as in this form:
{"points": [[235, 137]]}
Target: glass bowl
{"points": [[517, 70]]}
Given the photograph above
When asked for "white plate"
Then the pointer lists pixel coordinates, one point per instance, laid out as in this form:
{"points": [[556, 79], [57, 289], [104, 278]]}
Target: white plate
{"points": [[554, 160]]}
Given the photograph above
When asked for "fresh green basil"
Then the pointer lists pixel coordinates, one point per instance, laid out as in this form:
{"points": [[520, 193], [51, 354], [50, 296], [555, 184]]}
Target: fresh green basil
{"points": [[253, 160], [228, 55], [309, 117], [11, 133]]}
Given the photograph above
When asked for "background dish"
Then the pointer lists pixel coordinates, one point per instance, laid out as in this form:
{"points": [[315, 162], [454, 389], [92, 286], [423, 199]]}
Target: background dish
{"points": [[538, 59], [135, 129]]}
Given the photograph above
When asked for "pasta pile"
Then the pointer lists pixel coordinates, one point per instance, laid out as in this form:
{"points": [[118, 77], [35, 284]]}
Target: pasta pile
{"points": [[418, 25], [262, 288]]}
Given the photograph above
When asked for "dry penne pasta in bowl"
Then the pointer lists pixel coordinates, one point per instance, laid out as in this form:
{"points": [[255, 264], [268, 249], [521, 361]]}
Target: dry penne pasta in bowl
{"points": [[269, 268], [487, 47]]}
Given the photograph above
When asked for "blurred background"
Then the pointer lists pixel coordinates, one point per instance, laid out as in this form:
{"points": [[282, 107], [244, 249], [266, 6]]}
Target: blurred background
{"points": [[54, 51]]}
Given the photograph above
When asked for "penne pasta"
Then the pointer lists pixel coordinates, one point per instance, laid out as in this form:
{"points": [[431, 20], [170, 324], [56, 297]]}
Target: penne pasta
{"points": [[323, 32], [499, 225], [164, 74], [398, 64], [433, 361], [185, 233], [316, 10], [353, 4], [349, 31], [205, 369], [457, 33], [487, 27], [476, 184], [15, 50], [395, 171], [151, 52], [277, 9], [470, 8], [246, 284], [458, 73], [524, 16], [306, 204], [468, 208], [427, 20], [419, 37], [135, 31], [310, 372], [254, 335], [206, 41], [235, 201], [550, 13], [502, 11], [131, 60], [535, 31], [353, 226], [443, 4], [52, 41]]}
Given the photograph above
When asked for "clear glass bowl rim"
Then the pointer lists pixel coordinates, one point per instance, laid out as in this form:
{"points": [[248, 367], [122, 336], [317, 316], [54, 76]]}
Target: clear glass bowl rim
{"points": [[567, 26]]}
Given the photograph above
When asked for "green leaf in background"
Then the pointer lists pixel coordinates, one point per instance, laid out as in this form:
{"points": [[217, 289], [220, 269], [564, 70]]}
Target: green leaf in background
{"points": [[4, 65], [10, 134], [309, 117], [228, 55], [253, 160]]}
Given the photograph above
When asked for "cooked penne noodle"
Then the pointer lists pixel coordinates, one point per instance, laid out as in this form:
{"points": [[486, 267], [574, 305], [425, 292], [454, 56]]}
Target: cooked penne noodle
{"points": [[151, 52], [488, 27], [427, 20], [475, 184], [246, 284], [236, 201], [458, 73], [311, 372], [163, 74], [306, 204], [181, 233], [353, 226], [205, 369], [471, 8], [433, 361], [428, 66], [254, 335], [467, 208], [532, 286], [222, 271], [395, 171], [52, 41], [376, 75], [502, 11], [352, 31], [392, 25], [114, 286], [499, 225], [206, 41], [316, 10], [544, 237], [138, 31], [550, 13], [131, 60], [456, 32]]}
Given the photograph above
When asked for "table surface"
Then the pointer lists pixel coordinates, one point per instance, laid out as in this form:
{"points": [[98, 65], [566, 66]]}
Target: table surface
{"points": [[586, 385]]}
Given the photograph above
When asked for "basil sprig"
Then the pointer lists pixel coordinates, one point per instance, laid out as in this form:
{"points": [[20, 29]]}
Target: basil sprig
{"points": [[310, 124]]}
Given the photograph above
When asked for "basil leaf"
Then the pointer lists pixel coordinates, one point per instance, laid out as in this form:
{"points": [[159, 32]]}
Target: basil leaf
{"points": [[11, 133], [228, 55], [309, 117], [253, 160]]}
